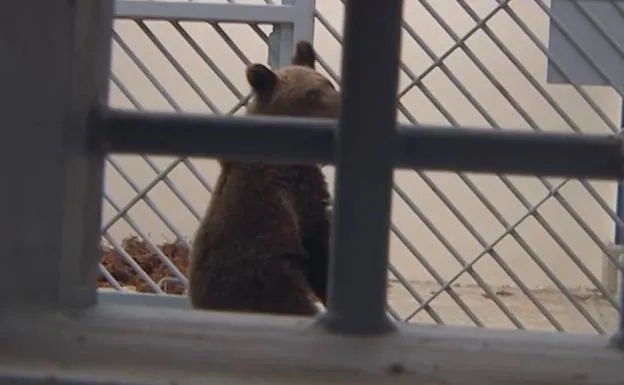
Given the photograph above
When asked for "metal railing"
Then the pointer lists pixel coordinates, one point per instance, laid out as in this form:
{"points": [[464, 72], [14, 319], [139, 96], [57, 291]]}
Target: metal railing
{"points": [[51, 327], [453, 262]]}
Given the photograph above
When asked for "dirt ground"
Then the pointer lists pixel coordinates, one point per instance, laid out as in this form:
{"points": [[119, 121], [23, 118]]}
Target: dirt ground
{"points": [[444, 307]]}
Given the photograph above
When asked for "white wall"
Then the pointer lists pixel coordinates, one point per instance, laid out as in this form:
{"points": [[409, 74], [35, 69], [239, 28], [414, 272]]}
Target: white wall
{"points": [[416, 102]]}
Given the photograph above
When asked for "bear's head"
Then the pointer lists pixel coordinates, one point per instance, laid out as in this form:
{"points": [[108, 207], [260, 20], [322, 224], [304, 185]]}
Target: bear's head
{"points": [[296, 90]]}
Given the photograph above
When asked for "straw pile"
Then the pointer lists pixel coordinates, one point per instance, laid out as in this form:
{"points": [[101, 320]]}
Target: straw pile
{"points": [[149, 262]]}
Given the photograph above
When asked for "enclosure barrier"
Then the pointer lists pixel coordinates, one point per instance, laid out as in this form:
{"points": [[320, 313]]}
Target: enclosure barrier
{"points": [[52, 330], [449, 229], [312, 140], [291, 20]]}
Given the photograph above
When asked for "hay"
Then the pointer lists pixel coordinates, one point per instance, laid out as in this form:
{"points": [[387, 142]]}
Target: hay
{"points": [[143, 255]]}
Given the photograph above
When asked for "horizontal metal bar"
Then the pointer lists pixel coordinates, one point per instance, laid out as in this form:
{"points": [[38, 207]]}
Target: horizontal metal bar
{"points": [[279, 139], [16, 378], [116, 297], [132, 298], [124, 344], [209, 12]]}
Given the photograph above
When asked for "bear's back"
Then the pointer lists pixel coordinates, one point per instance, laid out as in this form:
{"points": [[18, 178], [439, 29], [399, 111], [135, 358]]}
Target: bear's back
{"points": [[249, 243]]}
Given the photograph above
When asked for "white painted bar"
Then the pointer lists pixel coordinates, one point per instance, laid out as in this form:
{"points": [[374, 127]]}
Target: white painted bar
{"points": [[202, 12]]}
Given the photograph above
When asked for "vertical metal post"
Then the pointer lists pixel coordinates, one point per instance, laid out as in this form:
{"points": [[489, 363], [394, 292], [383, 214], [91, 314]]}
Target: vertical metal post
{"points": [[621, 323], [54, 75], [281, 45], [619, 210], [618, 339], [365, 144], [304, 22], [283, 38], [619, 203]]}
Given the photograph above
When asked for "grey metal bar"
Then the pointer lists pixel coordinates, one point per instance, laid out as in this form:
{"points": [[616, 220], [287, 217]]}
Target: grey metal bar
{"points": [[202, 12], [418, 146], [134, 299], [303, 28], [621, 296], [618, 338], [51, 209], [36, 379], [365, 145], [192, 135]]}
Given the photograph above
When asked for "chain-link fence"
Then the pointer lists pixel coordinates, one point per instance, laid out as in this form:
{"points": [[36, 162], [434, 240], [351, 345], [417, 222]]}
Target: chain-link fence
{"points": [[485, 250]]}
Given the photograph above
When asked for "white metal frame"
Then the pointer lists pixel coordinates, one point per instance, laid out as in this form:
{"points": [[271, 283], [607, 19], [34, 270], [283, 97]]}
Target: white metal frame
{"points": [[293, 20], [53, 331]]}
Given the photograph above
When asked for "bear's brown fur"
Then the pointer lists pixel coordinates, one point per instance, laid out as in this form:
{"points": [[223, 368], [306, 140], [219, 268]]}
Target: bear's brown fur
{"points": [[262, 245]]}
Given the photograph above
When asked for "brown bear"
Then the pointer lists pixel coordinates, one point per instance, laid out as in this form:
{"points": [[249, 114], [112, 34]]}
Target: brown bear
{"points": [[262, 245]]}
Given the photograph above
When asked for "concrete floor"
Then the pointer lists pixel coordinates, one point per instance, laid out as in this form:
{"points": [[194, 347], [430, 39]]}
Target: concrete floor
{"points": [[485, 309], [571, 320]]}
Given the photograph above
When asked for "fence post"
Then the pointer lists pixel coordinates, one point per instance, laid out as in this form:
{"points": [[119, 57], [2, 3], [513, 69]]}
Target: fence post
{"points": [[304, 21], [283, 38], [366, 143], [611, 273], [54, 74]]}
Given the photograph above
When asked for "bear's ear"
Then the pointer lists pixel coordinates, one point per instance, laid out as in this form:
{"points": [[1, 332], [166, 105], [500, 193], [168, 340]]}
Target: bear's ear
{"points": [[261, 79], [304, 54]]}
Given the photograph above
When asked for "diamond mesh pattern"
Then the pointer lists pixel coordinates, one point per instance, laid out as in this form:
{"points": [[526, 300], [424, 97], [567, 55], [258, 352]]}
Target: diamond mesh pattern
{"points": [[471, 249]]}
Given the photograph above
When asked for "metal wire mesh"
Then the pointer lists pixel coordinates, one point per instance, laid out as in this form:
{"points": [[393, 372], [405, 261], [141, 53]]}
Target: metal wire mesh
{"points": [[452, 233]]}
